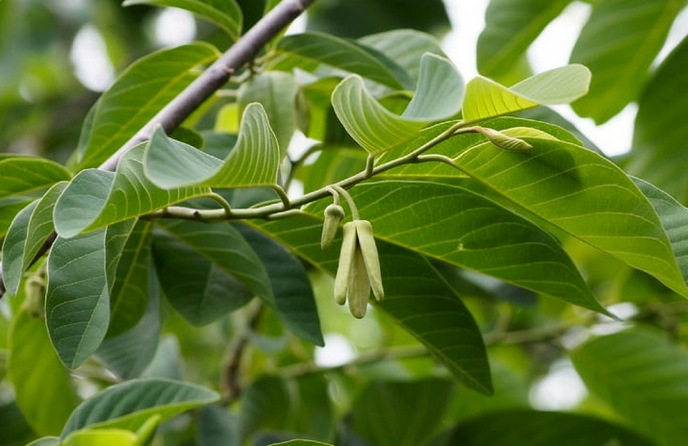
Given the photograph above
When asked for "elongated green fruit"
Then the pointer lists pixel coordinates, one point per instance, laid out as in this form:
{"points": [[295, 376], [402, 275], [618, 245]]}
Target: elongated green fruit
{"points": [[366, 240], [334, 214], [346, 259], [358, 292]]}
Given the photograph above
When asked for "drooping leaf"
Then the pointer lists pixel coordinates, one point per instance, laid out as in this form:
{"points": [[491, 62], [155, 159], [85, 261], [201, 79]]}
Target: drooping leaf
{"points": [[224, 13], [276, 92], [406, 47], [486, 98], [129, 353], [142, 90], [415, 294], [641, 375], [674, 218], [96, 198], [24, 179], [659, 150], [438, 96], [77, 303], [457, 226], [32, 360], [254, 160], [384, 406], [206, 270], [582, 193], [29, 230], [542, 429], [130, 404], [510, 27], [293, 296], [131, 289], [308, 51], [618, 44]]}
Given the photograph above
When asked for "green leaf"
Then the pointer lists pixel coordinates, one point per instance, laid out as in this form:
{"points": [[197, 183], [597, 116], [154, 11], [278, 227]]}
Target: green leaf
{"points": [[405, 47], [131, 289], [23, 180], [438, 96], [105, 437], [382, 407], [276, 92], [254, 160], [486, 98], [416, 296], [300, 443], [641, 375], [128, 354], [460, 227], [46, 441], [25, 237], [46, 403], [293, 296], [15, 430], [308, 51], [77, 305], [95, 198], [22, 175], [674, 218], [658, 153], [130, 404], [224, 13], [580, 192], [206, 270], [542, 429], [618, 44], [510, 27], [141, 91]]}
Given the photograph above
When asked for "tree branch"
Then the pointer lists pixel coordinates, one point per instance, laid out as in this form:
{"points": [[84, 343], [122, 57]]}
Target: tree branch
{"points": [[212, 79]]}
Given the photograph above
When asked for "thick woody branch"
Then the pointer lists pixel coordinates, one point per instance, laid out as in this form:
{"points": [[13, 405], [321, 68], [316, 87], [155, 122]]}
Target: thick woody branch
{"points": [[212, 79]]}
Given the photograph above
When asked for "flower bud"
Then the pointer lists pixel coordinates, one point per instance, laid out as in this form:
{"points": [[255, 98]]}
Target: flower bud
{"points": [[334, 214], [505, 142]]}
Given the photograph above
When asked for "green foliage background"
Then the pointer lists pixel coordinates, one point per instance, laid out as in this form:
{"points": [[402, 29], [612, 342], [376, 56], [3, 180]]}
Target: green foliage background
{"points": [[174, 308]]}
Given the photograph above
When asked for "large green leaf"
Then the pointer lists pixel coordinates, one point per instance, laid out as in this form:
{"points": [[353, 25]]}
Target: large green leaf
{"points": [[659, 152], [459, 227], [510, 27], [142, 90], [543, 429], [77, 303], [130, 404], [254, 160], [308, 51], [208, 270], [642, 375], [293, 296], [276, 92], [46, 403], [128, 354], [438, 96], [29, 230], [23, 180], [406, 47], [674, 218], [96, 198], [582, 193], [486, 98], [131, 289], [416, 296], [382, 407], [224, 13], [618, 44]]}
